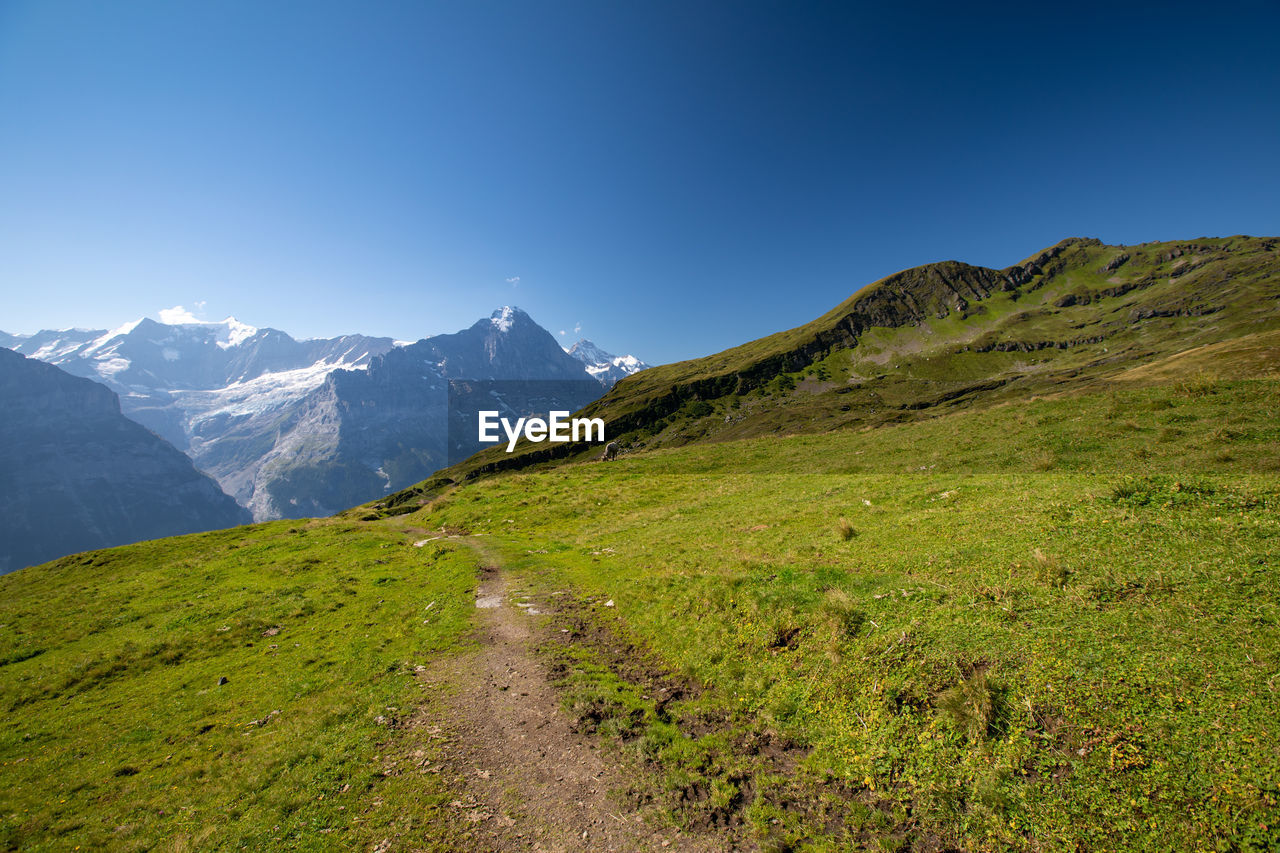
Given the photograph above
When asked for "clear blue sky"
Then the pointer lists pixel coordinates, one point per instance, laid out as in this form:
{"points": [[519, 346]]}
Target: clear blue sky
{"points": [[674, 177]]}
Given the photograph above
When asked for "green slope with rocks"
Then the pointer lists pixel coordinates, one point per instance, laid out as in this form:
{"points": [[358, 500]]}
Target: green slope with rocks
{"points": [[939, 337]]}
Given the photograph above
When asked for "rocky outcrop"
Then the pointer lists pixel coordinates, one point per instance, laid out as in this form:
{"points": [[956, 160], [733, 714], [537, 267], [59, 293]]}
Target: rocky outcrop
{"points": [[1115, 263], [79, 475]]}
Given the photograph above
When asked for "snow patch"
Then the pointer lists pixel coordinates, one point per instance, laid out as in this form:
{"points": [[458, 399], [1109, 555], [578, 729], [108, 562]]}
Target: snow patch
{"points": [[236, 333], [503, 318], [109, 367], [262, 393], [605, 367], [117, 332], [55, 349], [629, 363], [170, 354], [228, 333]]}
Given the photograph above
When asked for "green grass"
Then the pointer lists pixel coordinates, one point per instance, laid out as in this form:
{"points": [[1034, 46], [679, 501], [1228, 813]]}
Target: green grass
{"points": [[1056, 627], [119, 736], [1049, 625]]}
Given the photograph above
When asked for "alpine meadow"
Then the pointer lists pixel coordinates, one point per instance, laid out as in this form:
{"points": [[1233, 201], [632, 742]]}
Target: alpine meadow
{"points": [[980, 559]]}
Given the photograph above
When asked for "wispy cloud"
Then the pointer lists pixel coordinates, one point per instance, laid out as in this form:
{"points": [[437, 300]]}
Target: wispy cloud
{"points": [[562, 333], [177, 315], [514, 281], [577, 328]]}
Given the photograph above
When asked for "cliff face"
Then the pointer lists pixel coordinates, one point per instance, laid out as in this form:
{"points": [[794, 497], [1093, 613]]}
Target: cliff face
{"points": [[413, 411], [77, 474], [220, 392]]}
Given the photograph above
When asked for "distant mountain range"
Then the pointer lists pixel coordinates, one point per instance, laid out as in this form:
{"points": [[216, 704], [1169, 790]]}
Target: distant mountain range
{"points": [[367, 432], [606, 368], [292, 428], [78, 474]]}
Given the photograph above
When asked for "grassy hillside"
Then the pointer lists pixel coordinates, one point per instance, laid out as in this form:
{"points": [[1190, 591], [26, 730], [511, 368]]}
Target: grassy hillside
{"points": [[1050, 625], [119, 734], [939, 337]]}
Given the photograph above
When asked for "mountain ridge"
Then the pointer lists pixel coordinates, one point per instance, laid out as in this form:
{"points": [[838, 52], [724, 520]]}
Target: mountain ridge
{"points": [[606, 367], [412, 411], [240, 400], [78, 474], [943, 334]]}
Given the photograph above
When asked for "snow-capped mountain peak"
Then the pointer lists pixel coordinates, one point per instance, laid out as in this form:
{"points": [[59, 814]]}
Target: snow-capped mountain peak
{"points": [[505, 317], [234, 333], [605, 367]]}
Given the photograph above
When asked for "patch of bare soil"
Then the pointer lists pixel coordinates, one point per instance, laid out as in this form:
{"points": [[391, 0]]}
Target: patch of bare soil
{"points": [[527, 780]]}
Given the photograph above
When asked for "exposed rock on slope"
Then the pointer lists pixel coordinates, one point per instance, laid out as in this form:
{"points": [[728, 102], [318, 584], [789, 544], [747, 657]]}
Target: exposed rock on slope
{"points": [[80, 475], [364, 433]]}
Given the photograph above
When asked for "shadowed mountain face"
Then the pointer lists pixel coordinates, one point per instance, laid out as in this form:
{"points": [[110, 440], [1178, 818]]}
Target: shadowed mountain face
{"points": [[943, 336], [219, 392], [412, 412], [79, 475]]}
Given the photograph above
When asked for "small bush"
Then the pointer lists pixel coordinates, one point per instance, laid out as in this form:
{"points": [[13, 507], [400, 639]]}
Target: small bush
{"points": [[1043, 460], [845, 530], [697, 409], [1158, 490]]}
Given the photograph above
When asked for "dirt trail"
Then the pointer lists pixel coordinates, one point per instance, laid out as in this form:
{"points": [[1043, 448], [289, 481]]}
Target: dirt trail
{"points": [[530, 782]]}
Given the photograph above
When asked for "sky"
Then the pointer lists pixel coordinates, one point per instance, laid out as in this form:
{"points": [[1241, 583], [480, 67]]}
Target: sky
{"points": [[668, 179]]}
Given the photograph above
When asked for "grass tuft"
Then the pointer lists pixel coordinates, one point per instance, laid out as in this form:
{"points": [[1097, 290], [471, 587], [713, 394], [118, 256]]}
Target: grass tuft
{"points": [[1050, 570], [1200, 384], [969, 706]]}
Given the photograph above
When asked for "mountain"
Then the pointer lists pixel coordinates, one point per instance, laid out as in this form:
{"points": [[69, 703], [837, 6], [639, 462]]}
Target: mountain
{"points": [[943, 336], [195, 382], [9, 341], [413, 411], [272, 420], [220, 392], [606, 368], [78, 474]]}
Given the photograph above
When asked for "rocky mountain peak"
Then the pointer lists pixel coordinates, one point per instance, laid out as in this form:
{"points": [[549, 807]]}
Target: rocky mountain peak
{"points": [[506, 317], [604, 367]]}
